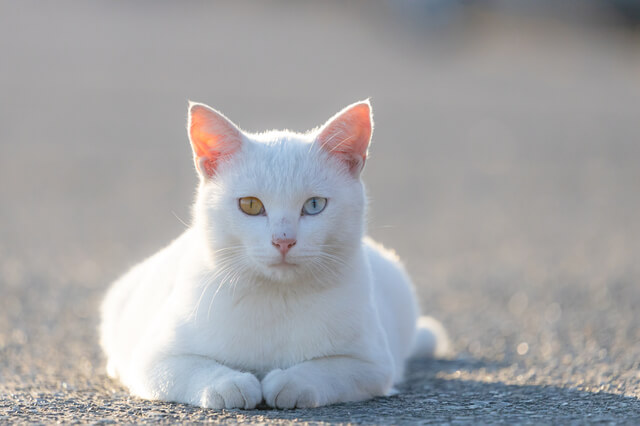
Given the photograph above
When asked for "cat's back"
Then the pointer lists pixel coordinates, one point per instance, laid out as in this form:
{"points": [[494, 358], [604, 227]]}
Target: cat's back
{"points": [[388, 271], [393, 294]]}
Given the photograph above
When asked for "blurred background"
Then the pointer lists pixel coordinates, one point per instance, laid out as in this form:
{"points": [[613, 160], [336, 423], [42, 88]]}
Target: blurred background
{"points": [[504, 165]]}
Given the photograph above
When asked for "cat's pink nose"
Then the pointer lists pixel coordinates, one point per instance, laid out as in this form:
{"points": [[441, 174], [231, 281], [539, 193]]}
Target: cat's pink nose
{"points": [[283, 244]]}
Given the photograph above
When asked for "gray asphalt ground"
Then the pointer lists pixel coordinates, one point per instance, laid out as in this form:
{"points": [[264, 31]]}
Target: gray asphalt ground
{"points": [[504, 170]]}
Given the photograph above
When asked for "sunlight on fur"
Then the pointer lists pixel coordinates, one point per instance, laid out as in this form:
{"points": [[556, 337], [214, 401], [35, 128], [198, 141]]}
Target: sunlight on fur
{"points": [[272, 294]]}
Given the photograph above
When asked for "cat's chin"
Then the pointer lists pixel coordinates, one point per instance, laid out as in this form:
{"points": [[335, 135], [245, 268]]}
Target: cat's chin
{"points": [[282, 271]]}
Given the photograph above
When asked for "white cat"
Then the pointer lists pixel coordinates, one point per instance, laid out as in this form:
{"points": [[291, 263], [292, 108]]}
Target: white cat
{"points": [[272, 293]]}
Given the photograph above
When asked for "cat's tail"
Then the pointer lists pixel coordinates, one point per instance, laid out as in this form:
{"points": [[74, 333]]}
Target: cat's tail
{"points": [[431, 339]]}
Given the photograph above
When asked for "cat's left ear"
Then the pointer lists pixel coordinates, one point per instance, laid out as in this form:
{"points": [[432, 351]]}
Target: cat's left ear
{"points": [[213, 137], [347, 135]]}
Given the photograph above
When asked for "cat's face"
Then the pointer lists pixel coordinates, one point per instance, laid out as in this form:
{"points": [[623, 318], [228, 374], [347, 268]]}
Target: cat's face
{"points": [[280, 205]]}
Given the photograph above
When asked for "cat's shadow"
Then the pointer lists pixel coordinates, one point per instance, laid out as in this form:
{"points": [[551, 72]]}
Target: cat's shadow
{"points": [[437, 391], [419, 373], [422, 371]]}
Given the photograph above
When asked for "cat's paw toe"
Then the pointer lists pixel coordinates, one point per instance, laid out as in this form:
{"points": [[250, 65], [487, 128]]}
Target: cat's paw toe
{"points": [[282, 389], [238, 390]]}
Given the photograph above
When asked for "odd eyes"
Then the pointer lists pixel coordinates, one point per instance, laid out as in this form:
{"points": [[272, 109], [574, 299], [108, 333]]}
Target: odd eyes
{"points": [[254, 207], [251, 206]]}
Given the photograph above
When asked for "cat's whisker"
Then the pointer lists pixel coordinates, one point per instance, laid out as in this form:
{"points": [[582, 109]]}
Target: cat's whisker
{"points": [[234, 284], [194, 311], [233, 281], [213, 298], [223, 264], [327, 270], [326, 258], [240, 273], [326, 273], [228, 248], [180, 220], [335, 259], [220, 285], [311, 269], [209, 279], [231, 270]]}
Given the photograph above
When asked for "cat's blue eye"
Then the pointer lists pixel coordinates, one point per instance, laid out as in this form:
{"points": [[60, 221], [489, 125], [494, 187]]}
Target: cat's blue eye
{"points": [[314, 205]]}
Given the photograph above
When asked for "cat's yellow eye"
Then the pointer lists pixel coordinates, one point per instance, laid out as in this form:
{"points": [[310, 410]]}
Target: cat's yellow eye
{"points": [[314, 205], [251, 206]]}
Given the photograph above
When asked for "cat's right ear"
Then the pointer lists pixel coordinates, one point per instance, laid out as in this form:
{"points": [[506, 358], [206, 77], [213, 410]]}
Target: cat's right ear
{"points": [[347, 135], [213, 137]]}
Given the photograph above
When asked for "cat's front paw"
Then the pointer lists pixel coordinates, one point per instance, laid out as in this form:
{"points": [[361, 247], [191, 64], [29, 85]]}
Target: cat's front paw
{"points": [[284, 389], [236, 390]]}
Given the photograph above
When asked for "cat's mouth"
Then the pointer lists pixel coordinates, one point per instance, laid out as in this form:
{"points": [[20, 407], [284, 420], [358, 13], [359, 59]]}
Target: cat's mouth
{"points": [[283, 264]]}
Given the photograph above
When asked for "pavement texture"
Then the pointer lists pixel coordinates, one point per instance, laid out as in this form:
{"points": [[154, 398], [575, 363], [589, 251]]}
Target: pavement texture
{"points": [[504, 171]]}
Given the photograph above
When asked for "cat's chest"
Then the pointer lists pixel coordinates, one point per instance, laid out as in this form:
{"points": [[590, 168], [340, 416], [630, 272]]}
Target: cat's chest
{"points": [[262, 333]]}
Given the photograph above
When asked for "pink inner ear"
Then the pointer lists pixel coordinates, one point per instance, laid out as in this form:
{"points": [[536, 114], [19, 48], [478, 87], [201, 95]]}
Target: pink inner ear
{"points": [[347, 135], [212, 136]]}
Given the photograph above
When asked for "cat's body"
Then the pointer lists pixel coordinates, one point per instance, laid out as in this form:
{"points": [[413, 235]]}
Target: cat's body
{"points": [[281, 301]]}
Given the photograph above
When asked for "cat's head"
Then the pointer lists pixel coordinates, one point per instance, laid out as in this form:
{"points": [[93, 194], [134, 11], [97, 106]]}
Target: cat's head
{"points": [[279, 205]]}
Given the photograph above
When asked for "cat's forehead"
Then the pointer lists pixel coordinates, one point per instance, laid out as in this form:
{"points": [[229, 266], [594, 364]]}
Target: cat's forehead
{"points": [[281, 146], [282, 165]]}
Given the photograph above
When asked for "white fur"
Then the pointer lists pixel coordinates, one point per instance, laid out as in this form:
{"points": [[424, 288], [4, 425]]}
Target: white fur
{"points": [[207, 321]]}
